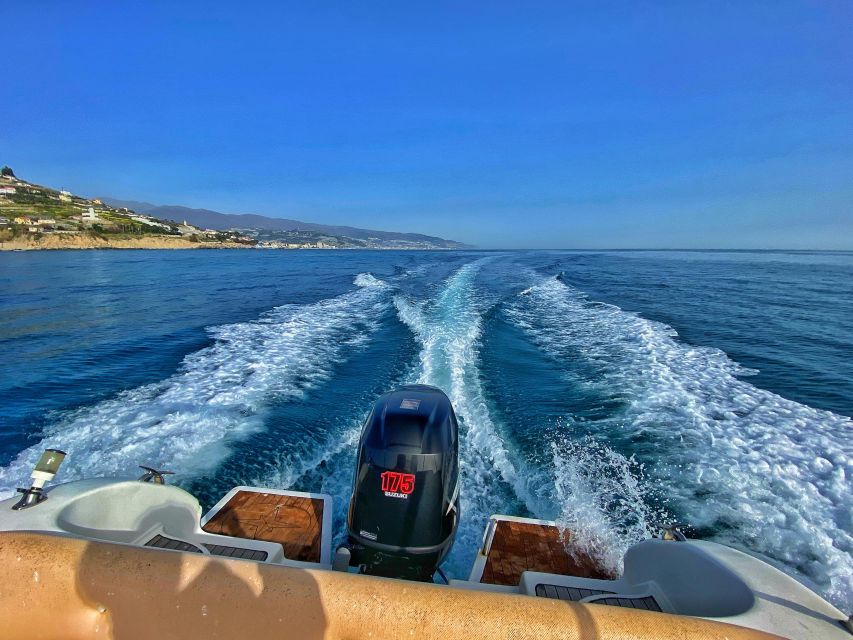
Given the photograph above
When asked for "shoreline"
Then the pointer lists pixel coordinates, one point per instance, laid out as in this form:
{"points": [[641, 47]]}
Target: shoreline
{"points": [[49, 243], [91, 243]]}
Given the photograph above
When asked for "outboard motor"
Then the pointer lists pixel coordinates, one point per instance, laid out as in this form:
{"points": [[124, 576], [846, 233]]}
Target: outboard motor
{"points": [[404, 509]]}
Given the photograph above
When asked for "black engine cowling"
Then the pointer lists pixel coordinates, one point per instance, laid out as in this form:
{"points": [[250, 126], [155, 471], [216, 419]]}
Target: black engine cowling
{"points": [[404, 508]]}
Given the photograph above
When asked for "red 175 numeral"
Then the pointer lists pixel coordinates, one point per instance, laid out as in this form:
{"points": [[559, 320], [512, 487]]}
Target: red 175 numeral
{"points": [[397, 482]]}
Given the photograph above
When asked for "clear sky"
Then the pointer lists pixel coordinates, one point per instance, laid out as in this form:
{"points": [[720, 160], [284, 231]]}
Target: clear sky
{"points": [[518, 124]]}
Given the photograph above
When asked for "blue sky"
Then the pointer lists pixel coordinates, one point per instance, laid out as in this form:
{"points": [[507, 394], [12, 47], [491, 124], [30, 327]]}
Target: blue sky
{"points": [[541, 125]]}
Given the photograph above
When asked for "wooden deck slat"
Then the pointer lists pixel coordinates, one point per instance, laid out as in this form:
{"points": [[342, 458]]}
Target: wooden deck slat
{"points": [[523, 546], [295, 522]]}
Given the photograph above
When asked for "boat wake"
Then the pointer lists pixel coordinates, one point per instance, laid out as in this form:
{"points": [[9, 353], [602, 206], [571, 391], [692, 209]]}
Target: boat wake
{"points": [[220, 393], [448, 329], [753, 469], [598, 493]]}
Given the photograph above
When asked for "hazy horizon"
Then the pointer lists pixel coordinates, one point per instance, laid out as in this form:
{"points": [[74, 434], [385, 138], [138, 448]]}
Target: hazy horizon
{"points": [[620, 127]]}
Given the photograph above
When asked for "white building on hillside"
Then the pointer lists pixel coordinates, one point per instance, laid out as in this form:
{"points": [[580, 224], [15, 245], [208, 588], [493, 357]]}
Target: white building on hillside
{"points": [[147, 220]]}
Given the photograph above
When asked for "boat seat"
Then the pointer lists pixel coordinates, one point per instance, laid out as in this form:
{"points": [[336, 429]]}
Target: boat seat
{"points": [[126, 511], [671, 568], [663, 571]]}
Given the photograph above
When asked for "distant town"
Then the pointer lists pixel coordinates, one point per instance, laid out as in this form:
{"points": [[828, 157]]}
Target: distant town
{"points": [[33, 216]]}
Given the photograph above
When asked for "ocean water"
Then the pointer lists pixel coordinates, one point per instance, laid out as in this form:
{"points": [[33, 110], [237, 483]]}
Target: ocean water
{"points": [[607, 390]]}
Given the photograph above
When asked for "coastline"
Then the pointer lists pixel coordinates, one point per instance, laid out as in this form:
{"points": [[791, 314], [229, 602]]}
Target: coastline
{"points": [[56, 242]]}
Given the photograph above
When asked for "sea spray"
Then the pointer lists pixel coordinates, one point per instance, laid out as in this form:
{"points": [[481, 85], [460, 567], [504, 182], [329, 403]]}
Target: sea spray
{"points": [[604, 501]]}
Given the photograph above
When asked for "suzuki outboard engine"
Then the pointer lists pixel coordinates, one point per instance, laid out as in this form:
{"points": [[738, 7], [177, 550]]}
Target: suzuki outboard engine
{"points": [[404, 509]]}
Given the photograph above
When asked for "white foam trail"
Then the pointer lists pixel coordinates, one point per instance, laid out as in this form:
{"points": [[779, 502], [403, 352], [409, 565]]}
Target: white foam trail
{"points": [[448, 329], [185, 422], [603, 501], [772, 474]]}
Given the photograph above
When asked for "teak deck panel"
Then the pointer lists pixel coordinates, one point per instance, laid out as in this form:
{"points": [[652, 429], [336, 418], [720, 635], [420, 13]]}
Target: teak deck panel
{"points": [[295, 522], [522, 546]]}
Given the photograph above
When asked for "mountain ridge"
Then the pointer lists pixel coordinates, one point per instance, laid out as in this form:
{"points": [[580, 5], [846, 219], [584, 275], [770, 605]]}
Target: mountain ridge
{"points": [[210, 219]]}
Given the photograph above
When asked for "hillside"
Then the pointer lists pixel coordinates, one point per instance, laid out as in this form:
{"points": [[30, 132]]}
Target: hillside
{"points": [[222, 221], [33, 216]]}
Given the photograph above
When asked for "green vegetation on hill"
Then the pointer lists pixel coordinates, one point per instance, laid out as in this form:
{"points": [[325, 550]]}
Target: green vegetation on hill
{"points": [[31, 210], [34, 216]]}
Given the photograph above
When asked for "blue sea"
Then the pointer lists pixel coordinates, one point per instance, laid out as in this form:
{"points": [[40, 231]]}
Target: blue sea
{"points": [[606, 390]]}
